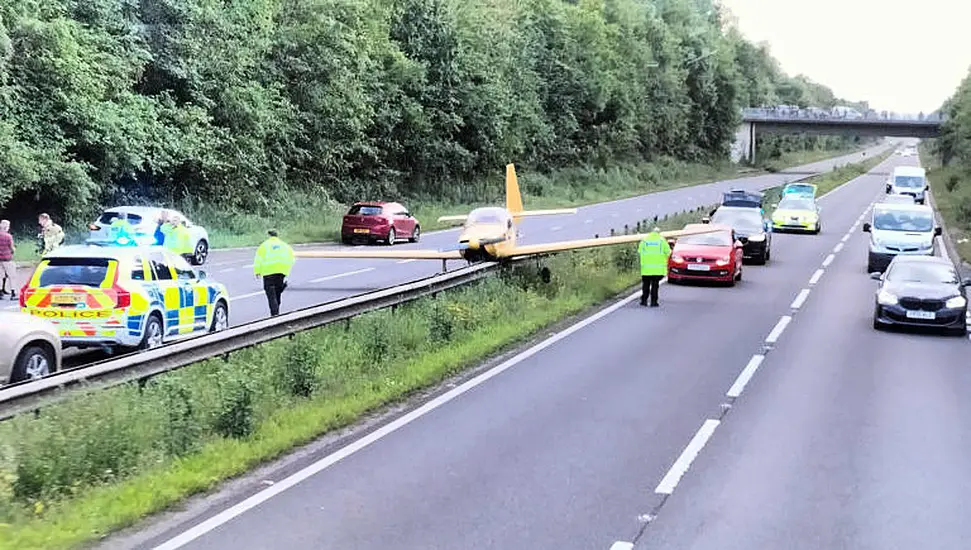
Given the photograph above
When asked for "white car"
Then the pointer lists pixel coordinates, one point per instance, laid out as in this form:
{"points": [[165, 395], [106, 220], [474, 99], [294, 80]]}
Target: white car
{"points": [[144, 220], [29, 348]]}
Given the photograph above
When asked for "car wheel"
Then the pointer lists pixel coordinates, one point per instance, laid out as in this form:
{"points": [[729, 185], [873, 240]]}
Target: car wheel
{"points": [[153, 336], [391, 237], [220, 318], [201, 252], [34, 362], [416, 234]]}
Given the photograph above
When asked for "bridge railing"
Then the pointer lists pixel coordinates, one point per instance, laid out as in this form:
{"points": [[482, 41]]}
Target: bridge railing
{"points": [[794, 114]]}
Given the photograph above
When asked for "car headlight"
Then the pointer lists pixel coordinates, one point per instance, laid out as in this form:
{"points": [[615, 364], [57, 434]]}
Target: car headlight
{"points": [[677, 258], [956, 302], [723, 261], [885, 298], [757, 238]]}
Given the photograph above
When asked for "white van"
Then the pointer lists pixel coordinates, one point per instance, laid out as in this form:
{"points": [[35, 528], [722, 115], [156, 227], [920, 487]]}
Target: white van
{"points": [[909, 180], [897, 229]]}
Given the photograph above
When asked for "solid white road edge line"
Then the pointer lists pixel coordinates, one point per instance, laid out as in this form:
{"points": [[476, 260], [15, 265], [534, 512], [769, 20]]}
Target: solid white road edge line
{"points": [[236, 510], [779, 327], [838, 247], [829, 259], [621, 545], [340, 275], [815, 278], [800, 299], [745, 376], [681, 465]]}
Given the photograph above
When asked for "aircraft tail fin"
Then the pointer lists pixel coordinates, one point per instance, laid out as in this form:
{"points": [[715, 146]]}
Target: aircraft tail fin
{"points": [[514, 200]]}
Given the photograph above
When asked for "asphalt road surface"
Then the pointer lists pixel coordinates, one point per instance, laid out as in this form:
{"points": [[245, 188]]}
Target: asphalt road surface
{"points": [[316, 281], [843, 437]]}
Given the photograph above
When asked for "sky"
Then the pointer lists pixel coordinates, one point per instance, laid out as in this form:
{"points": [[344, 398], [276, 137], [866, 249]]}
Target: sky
{"points": [[905, 56]]}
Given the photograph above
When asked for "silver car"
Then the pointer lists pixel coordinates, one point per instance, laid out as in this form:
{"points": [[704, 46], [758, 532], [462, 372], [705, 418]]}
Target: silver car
{"points": [[899, 229], [30, 348], [144, 219]]}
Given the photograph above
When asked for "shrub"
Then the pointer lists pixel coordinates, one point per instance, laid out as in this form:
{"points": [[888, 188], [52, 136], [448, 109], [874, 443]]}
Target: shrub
{"points": [[235, 416], [952, 183], [297, 372]]}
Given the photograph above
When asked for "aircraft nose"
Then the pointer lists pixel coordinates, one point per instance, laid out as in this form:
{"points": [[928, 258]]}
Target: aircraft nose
{"points": [[474, 243]]}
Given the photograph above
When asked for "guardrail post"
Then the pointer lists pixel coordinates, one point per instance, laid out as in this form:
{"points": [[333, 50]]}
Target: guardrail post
{"points": [[626, 229], [444, 265], [612, 232]]}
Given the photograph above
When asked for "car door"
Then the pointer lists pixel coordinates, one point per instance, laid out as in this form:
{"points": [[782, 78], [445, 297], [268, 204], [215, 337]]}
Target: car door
{"points": [[193, 311], [400, 220], [169, 291]]}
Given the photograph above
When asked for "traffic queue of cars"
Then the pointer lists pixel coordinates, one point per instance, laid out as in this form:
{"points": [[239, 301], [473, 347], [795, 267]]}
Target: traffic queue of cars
{"points": [[746, 235], [917, 287]]}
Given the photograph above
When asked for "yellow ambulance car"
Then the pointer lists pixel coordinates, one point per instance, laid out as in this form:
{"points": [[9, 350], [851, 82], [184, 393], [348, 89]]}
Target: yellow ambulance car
{"points": [[135, 296]]}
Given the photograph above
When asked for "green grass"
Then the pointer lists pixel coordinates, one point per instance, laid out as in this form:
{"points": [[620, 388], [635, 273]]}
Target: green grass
{"points": [[951, 194], [305, 219]]}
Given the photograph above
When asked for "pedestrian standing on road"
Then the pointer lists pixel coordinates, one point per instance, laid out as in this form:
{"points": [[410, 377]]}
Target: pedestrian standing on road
{"points": [[274, 259], [51, 235], [8, 269], [654, 251]]}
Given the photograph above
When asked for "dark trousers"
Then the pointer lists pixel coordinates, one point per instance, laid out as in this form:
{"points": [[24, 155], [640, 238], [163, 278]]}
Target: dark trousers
{"points": [[649, 288], [273, 285]]}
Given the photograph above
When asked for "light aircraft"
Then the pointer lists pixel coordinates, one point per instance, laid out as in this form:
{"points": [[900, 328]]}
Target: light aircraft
{"points": [[489, 234]]}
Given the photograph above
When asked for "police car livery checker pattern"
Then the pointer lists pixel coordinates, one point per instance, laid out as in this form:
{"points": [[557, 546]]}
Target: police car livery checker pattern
{"points": [[123, 296]]}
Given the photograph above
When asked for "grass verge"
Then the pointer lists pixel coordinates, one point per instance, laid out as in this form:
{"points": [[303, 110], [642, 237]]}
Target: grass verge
{"points": [[316, 218], [951, 193]]}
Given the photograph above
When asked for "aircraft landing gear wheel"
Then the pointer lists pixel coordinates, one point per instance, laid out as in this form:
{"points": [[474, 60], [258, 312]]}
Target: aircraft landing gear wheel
{"points": [[391, 237]]}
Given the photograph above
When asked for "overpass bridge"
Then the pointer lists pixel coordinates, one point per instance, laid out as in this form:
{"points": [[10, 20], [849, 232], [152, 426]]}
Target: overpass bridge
{"points": [[770, 121]]}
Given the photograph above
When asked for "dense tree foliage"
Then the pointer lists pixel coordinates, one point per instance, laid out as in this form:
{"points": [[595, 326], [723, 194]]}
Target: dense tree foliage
{"points": [[954, 144], [239, 101]]}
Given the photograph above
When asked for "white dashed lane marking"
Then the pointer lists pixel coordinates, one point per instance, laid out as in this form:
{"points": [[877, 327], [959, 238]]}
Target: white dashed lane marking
{"points": [[745, 376], [681, 465], [838, 247], [815, 278], [341, 275], [773, 336], [800, 299], [829, 259]]}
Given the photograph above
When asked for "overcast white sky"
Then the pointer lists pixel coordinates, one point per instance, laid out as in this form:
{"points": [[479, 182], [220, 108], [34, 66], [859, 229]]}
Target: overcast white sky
{"points": [[905, 56]]}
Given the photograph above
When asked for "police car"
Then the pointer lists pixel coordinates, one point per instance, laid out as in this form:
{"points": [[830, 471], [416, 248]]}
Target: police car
{"points": [[135, 296]]}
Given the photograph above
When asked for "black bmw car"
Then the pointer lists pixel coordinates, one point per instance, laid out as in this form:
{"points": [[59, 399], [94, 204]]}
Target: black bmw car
{"points": [[750, 227], [921, 291]]}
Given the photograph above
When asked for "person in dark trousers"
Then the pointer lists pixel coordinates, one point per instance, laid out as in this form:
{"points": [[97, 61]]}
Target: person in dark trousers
{"points": [[654, 252], [273, 262]]}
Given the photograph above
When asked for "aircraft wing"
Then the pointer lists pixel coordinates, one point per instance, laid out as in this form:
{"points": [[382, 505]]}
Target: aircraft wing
{"points": [[527, 250], [457, 218], [394, 254], [555, 212]]}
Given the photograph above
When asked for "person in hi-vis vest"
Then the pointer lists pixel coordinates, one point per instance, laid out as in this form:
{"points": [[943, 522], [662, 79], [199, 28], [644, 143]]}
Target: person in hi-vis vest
{"points": [[274, 259], [654, 251]]}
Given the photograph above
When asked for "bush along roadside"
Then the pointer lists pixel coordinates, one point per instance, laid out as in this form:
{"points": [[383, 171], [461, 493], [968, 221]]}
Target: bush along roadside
{"points": [[951, 195], [140, 449]]}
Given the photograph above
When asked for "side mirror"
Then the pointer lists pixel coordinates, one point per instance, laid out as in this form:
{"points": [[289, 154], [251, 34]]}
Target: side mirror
{"points": [[876, 276], [202, 275], [706, 219], [866, 227], [937, 231]]}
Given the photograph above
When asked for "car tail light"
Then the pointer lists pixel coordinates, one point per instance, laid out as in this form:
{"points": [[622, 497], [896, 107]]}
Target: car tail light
{"points": [[94, 227], [122, 298]]}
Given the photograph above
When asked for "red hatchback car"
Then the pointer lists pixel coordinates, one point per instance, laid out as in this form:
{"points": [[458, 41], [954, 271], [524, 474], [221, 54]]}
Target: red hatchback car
{"points": [[707, 256], [367, 222]]}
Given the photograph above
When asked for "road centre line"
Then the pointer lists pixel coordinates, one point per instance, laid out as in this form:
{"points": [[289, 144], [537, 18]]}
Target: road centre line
{"points": [[250, 295], [227, 270], [681, 465], [556, 228], [621, 545], [845, 238], [800, 299], [587, 221], [408, 261], [745, 376], [777, 330], [829, 259], [838, 247], [340, 275], [240, 508], [815, 278]]}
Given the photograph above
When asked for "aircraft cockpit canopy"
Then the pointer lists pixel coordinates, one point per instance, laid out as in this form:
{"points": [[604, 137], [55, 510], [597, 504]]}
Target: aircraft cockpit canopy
{"points": [[489, 216]]}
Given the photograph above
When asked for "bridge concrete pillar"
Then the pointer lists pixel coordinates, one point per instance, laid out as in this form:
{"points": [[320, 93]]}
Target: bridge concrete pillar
{"points": [[743, 149]]}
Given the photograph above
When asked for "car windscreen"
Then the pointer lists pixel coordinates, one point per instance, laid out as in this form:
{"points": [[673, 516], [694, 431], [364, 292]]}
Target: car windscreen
{"points": [[793, 203], [364, 210], [799, 189], [910, 182], [74, 271], [922, 272], [741, 221], [108, 217], [903, 220], [721, 238]]}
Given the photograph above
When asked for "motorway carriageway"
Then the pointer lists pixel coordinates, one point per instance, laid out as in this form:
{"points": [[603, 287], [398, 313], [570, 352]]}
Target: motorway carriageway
{"points": [[843, 437], [316, 281]]}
